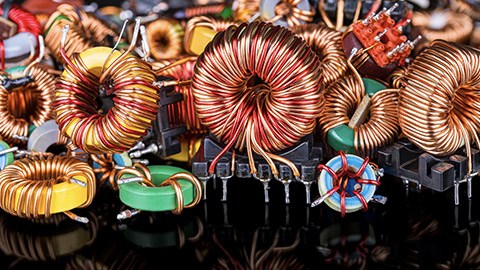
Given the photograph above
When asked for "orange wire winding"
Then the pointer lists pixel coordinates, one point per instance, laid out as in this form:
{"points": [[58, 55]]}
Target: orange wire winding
{"points": [[342, 99], [165, 38], [31, 104], [86, 30], [327, 43], [438, 103], [34, 179], [267, 116]]}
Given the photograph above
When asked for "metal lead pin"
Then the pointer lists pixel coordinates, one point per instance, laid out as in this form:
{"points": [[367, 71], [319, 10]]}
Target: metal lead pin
{"points": [[377, 17], [394, 51], [9, 150], [366, 20], [391, 9], [127, 214], [129, 180], [78, 182], [18, 137], [380, 35]]}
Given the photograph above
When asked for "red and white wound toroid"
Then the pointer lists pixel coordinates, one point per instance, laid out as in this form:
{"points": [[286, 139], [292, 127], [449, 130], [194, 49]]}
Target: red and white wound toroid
{"points": [[257, 87]]}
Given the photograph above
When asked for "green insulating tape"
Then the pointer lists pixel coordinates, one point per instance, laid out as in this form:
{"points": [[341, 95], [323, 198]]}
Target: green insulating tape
{"points": [[123, 44], [158, 239], [6, 159], [156, 198], [56, 19], [226, 13], [31, 128], [341, 138], [372, 86], [15, 72], [15, 69]]}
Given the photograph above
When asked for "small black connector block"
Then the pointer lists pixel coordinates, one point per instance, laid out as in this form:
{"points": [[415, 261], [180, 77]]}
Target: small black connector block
{"points": [[304, 155], [164, 134], [349, 8], [405, 160]]}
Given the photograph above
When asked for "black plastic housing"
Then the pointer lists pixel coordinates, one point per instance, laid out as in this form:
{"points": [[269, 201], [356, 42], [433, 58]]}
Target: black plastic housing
{"points": [[304, 155], [408, 162]]}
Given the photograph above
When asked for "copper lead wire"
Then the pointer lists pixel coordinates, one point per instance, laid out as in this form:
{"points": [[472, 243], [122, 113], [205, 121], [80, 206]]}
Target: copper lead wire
{"points": [[27, 105], [461, 6], [165, 38], [458, 27], [396, 77], [438, 103], [170, 181], [256, 87], [327, 44], [107, 168], [204, 10], [85, 31], [182, 112], [32, 179], [136, 103], [288, 10], [342, 99]]}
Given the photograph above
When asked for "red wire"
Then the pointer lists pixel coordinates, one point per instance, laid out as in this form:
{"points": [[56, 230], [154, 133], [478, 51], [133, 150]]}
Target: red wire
{"points": [[355, 176], [361, 198], [2, 52], [25, 21], [374, 8]]}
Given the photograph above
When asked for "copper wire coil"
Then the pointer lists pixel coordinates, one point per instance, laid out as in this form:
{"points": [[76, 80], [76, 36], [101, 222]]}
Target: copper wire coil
{"points": [[33, 178], [131, 81], [172, 181], [107, 168], [342, 99], [396, 77], [31, 104], [458, 27], [461, 6], [85, 31], [205, 21], [204, 10], [256, 87], [165, 38], [246, 9], [438, 103], [475, 37], [327, 43], [183, 112], [288, 10]]}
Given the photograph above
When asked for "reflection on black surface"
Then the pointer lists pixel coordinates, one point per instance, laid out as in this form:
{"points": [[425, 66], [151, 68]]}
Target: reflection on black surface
{"points": [[421, 231]]}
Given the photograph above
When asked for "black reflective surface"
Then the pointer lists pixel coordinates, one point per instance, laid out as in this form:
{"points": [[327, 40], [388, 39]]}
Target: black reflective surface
{"points": [[420, 231]]}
